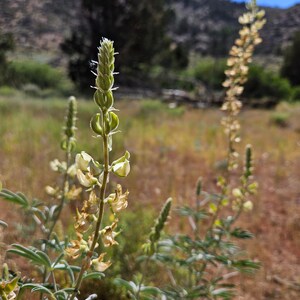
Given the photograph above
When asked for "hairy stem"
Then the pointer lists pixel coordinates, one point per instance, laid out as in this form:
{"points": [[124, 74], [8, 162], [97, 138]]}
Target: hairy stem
{"points": [[86, 263]]}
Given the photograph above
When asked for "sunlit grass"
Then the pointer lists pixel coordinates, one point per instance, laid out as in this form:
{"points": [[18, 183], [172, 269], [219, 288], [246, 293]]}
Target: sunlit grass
{"points": [[170, 150]]}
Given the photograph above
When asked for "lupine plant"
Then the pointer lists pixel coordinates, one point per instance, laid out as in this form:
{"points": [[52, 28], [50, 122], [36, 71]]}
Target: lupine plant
{"points": [[94, 176], [201, 263], [53, 253], [46, 253]]}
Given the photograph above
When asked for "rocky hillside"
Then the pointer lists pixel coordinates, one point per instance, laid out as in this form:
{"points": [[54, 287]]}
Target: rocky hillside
{"points": [[211, 25], [204, 25]]}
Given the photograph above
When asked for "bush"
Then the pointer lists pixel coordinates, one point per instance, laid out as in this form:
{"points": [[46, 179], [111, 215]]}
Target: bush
{"points": [[7, 91], [263, 83], [210, 71], [280, 119], [296, 94], [152, 108], [260, 84], [41, 75]]}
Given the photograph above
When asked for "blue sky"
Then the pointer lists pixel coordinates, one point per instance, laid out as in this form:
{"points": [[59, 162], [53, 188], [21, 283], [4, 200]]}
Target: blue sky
{"points": [[278, 3]]}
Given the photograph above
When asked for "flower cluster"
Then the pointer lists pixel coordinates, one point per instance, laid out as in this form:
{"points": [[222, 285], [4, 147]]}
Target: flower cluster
{"points": [[236, 74], [66, 168], [94, 175]]}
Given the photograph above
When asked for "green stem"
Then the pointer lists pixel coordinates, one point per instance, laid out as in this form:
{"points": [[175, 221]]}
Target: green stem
{"points": [[63, 198], [61, 205], [86, 263], [143, 277]]}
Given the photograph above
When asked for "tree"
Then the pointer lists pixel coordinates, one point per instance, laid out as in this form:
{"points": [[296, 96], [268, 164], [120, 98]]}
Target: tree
{"points": [[139, 29], [291, 64], [6, 44]]}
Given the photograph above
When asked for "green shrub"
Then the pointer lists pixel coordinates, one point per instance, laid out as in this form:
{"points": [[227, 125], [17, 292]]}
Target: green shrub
{"points": [[41, 75], [280, 119], [210, 71], [296, 94], [7, 91], [263, 83], [151, 108]]}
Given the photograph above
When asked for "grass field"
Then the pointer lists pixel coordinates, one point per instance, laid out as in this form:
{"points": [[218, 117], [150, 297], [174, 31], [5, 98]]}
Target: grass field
{"points": [[170, 149]]}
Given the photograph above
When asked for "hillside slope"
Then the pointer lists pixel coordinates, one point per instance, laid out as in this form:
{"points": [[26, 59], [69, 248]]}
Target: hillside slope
{"points": [[203, 25]]}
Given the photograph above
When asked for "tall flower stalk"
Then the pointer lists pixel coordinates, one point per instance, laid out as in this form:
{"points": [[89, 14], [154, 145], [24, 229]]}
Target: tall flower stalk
{"points": [[236, 75], [240, 56], [67, 144], [94, 176]]}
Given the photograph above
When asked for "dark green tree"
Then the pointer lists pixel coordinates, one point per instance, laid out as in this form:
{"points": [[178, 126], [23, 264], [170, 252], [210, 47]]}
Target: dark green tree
{"points": [[6, 44], [139, 30], [291, 63]]}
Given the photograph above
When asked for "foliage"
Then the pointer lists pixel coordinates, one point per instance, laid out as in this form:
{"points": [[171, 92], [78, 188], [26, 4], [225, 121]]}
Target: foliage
{"points": [[291, 66], [6, 45], [262, 83], [43, 76], [280, 119], [296, 93], [145, 43], [154, 108], [48, 253], [200, 264], [210, 71]]}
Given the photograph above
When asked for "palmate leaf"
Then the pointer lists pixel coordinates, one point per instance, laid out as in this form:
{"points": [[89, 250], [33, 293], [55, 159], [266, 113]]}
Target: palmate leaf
{"points": [[94, 275], [63, 265], [3, 224], [38, 288], [190, 212], [223, 293], [128, 285], [246, 266], [63, 294], [36, 256], [241, 233], [16, 198]]}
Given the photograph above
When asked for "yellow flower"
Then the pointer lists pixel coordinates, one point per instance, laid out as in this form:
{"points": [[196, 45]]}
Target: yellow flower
{"points": [[51, 191], [86, 179], [77, 247], [82, 161], [99, 265], [58, 166], [83, 222], [73, 193], [108, 235], [118, 201], [91, 206]]}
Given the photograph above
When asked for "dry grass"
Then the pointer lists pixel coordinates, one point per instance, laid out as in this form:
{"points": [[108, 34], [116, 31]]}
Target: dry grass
{"points": [[170, 150]]}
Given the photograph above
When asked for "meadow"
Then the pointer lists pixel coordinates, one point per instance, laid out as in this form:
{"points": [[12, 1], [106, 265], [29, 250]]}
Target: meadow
{"points": [[170, 149]]}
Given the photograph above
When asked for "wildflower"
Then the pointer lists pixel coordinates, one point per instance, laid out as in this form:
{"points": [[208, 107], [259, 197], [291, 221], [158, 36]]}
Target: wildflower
{"points": [[77, 247], [236, 75], [83, 222], [118, 200], [73, 193], [248, 206], [90, 206], [58, 166], [82, 161], [99, 265], [51, 191], [72, 171], [121, 167], [108, 235], [86, 179]]}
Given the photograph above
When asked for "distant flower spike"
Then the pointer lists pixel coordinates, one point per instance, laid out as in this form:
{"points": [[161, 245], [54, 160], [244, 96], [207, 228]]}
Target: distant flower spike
{"points": [[236, 75]]}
